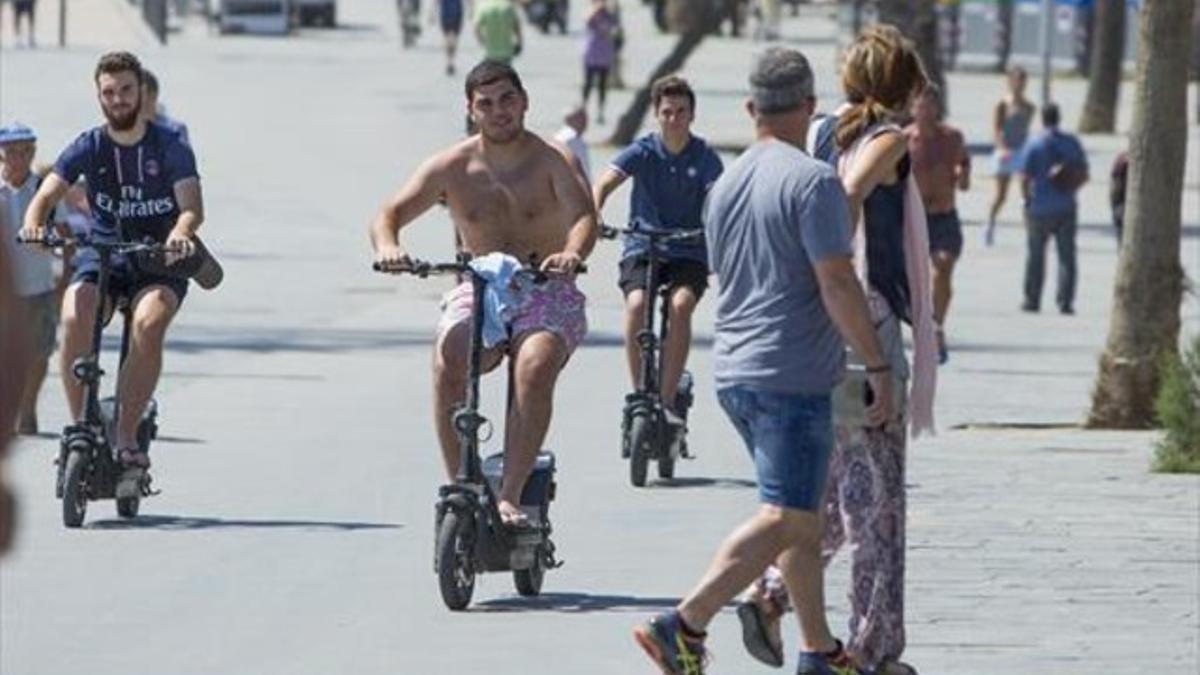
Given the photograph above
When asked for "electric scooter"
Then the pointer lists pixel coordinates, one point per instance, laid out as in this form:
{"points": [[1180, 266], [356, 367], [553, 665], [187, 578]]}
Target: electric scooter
{"points": [[88, 466], [471, 536], [645, 432]]}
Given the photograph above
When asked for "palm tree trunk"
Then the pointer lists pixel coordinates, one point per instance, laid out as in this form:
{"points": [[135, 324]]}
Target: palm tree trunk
{"points": [[918, 21], [925, 33], [1149, 287], [1196, 55], [1004, 26], [1108, 54], [694, 19]]}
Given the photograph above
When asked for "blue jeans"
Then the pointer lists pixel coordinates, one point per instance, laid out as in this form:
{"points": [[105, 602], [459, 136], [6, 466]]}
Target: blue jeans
{"points": [[790, 438], [1039, 230]]}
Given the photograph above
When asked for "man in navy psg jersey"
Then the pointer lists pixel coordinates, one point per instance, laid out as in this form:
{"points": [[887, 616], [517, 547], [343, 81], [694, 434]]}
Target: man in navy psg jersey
{"points": [[142, 183]]}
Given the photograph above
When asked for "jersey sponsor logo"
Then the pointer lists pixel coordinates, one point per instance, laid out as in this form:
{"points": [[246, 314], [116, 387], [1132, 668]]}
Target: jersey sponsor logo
{"points": [[133, 204]]}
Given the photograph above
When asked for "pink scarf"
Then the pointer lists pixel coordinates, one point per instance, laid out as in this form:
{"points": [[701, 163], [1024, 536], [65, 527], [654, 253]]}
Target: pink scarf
{"points": [[916, 263]]}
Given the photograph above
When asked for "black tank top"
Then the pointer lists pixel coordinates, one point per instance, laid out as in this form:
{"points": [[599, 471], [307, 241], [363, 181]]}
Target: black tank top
{"points": [[883, 214]]}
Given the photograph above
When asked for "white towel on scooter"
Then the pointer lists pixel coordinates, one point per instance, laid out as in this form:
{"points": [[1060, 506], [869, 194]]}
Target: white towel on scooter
{"points": [[502, 296]]}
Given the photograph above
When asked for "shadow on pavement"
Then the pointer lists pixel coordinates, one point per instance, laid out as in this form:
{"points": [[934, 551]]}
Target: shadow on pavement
{"points": [[573, 603], [200, 523], [723, 483], [44, 435], [343, 27], [1013, 348], [181, 440], [266, 340], [1016, 372]]}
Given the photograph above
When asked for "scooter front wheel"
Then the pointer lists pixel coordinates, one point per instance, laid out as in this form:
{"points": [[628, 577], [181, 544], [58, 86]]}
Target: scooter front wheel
{"points": [[74, 499], [640, 430], [456, 565]]}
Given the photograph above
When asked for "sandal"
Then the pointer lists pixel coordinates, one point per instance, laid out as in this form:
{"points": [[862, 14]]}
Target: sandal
{"points": [[133, 474], [132, 457], [516, 519]]}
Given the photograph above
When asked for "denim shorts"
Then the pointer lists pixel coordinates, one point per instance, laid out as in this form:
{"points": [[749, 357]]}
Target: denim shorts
{"points": [[790, 438]]}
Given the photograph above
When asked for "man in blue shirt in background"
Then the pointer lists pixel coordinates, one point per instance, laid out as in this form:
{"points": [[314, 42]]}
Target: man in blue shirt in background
{"points": [[153, 111], [1053, 167], [672, 172]]}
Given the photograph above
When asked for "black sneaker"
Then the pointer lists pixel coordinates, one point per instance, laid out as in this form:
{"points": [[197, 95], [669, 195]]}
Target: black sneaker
{"points": [[836, 662], [895, 668], [761, 636]]}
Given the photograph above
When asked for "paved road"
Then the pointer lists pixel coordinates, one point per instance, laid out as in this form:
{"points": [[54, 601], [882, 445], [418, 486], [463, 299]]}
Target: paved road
{"points": [[299, 467]]}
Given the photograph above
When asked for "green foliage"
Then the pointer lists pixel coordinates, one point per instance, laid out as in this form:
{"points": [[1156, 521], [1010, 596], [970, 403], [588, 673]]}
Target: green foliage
{"points": [[1178, 410]]}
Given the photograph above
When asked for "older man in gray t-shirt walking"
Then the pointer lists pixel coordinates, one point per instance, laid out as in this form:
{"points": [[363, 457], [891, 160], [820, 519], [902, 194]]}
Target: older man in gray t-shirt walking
{"points": [[778, 230]]}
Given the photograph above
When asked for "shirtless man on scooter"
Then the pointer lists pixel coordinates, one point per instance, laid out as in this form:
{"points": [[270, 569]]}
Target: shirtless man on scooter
{"points": [[510, 192]]}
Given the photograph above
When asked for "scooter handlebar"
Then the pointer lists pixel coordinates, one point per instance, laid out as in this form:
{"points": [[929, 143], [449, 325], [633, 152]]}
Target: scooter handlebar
{"points": [[422, 269], [652, 235], [52, 240]]}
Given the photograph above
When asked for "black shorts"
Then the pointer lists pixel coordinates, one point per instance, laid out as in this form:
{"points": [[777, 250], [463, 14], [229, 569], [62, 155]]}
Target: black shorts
{"points": [[125, 284], [679, 272], [23, 7], [945, 233], [451, 23]]}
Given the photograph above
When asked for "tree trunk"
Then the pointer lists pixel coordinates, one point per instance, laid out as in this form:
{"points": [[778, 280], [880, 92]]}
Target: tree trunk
{"points": [[1004, 25], [925, 33], [918, 21], [1196, 55], [1108, 54], [1149, 287], [1196, 43], [694, 19]]}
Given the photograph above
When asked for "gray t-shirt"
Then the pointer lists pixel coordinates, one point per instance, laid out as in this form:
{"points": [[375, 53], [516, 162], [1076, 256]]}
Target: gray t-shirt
{"points": [[770, 218]]}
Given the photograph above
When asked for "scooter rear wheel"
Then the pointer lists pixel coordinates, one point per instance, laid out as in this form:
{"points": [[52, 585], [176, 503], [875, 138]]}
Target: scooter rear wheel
{"points": [[127, 507], [74, 499], [456, 567], [666, 468], [640, 429], [529, 582]]}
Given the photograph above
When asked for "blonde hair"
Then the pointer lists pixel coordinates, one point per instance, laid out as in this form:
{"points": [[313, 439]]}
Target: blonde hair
{"points": [[880, 73]]}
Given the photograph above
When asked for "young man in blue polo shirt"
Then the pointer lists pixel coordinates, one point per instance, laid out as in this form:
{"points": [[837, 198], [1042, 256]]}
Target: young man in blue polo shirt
{"points": [[672, 172]]}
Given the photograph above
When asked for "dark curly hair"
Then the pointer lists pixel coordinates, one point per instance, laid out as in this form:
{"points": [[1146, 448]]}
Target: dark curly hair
{"points": [[119, 62]]}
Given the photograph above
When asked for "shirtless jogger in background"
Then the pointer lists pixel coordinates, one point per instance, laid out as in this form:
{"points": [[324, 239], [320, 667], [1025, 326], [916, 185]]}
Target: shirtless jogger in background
{"points": [[941, 164]]}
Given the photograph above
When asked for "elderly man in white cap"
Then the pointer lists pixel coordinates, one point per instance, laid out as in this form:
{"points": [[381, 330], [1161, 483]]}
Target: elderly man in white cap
{"points": [[33, 268]]}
